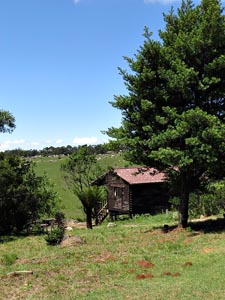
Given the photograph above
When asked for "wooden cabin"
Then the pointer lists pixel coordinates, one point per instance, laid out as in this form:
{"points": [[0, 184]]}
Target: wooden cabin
{"points": [[135, 191]]}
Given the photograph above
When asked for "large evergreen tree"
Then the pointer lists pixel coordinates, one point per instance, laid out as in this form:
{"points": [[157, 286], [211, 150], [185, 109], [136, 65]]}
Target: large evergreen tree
{"points": [[174, 112]]}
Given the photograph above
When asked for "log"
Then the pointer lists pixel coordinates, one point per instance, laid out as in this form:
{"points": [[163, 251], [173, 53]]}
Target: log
{"points": [[17, 273]]}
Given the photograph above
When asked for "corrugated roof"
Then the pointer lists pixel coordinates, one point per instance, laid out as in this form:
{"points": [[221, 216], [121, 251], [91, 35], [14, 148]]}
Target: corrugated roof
{"points": [[140, 175]]}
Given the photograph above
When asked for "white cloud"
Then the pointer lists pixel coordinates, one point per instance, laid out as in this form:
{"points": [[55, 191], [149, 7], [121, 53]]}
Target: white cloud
{"points": [[59, 141], [40, 144], [35, 144], [11, 144], [23, 144], [85, 140], [48, 142], [76, 1]]}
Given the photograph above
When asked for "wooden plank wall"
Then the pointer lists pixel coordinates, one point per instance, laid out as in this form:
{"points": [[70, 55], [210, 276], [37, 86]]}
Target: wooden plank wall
{"points": [[149, 198], [118, 194]]}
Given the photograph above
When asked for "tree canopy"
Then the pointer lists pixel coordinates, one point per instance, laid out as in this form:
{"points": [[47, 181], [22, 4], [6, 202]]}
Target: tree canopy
{"points": [[80, 170], [24, 196], [173, 115], [7, 121]]}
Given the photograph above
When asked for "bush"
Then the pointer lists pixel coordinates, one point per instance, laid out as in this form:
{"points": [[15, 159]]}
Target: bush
{"points": [[24, 196], [204, 204], [207, 203], [210, 202], [60, 219], [55, 236]]}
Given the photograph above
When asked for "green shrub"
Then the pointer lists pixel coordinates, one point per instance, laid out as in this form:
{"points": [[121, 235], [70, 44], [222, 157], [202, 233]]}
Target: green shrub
{"points": [[55, 236], [209, 202], [189, 229], [24, 196], [60, 219]]}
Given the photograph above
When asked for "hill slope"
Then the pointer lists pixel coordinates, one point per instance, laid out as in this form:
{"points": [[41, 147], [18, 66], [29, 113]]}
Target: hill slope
{"points": [[51, 167]]}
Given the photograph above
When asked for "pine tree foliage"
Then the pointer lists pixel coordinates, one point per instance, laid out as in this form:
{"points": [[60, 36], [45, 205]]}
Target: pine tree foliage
{"points": [[174, 113]]}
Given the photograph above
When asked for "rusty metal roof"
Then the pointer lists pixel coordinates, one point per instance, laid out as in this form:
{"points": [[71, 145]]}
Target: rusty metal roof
{"points": [[136, 175]]}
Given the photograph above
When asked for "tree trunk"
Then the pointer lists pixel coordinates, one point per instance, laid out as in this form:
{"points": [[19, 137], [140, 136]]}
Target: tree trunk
{"points": [[183, 210], [89, 218], [184, 199]]}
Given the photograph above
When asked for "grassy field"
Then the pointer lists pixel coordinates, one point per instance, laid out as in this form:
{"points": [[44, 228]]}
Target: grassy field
{"points": [[51, 167], [134, 260]]}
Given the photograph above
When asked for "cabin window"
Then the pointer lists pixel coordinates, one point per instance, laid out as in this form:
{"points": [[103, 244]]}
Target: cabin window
{"points": [[118, 192]]}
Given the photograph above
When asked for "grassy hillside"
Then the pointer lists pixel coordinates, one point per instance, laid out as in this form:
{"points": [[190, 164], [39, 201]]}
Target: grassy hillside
{"points": [[134, 260], [51, 167]]}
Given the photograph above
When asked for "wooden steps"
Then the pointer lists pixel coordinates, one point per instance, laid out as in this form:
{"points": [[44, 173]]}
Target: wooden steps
{"points": [[101, 214]]}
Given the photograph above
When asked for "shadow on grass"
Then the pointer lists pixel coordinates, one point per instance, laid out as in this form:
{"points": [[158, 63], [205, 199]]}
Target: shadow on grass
{"points": [[13, 237], [209, 226], [7, 238], [206, 226]]}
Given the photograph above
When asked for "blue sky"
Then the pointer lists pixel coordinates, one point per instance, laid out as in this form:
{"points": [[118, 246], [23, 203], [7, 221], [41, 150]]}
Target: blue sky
{"points": [[59, 64]]}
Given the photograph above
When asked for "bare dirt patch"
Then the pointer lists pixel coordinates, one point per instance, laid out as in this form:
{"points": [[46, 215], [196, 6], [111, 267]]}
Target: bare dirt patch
{"points": [[208, 250], [145, 264], [104, 257], [144, 276], [75, 224]]}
